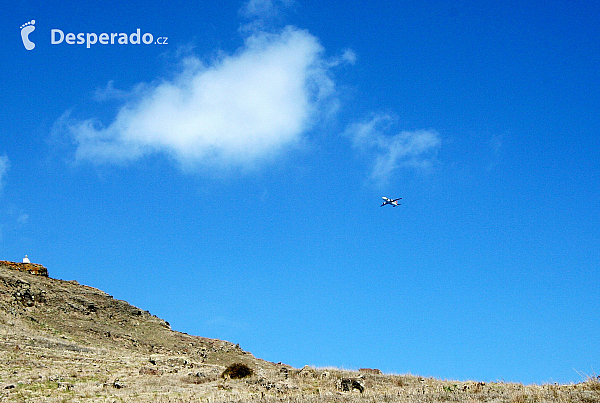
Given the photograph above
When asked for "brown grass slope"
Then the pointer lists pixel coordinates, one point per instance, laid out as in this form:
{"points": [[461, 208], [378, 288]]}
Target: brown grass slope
{"points": [[61, 341]]}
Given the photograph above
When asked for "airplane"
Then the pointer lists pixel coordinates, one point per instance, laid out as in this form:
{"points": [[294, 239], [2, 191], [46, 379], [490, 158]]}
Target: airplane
{"points": [[393, 202]]}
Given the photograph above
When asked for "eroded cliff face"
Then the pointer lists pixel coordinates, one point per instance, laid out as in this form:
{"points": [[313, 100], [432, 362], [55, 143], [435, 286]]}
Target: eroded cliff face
{"points": [[31, 268]]}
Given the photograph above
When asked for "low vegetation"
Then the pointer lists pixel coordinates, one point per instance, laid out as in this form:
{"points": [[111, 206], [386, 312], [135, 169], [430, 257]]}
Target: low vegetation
{"points": [[63, 342], [236, 371], [87, 377]]}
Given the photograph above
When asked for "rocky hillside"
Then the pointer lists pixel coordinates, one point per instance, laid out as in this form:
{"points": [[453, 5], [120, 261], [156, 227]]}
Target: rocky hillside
{"points": [[61, 341], [55, 329], [40, 311]]}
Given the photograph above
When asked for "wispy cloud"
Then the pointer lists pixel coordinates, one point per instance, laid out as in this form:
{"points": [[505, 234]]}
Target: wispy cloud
{"points": [[4, 166], [264, 8], [23, 218], [238, 111], [416, 149], [8, 213], [495, 146], [263, 13], [109, 92]]}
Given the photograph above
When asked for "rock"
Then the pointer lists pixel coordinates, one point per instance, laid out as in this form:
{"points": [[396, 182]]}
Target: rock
{"points": [[372, 371], [307, 372], [349, 384], [65, 385], [31, 268]]}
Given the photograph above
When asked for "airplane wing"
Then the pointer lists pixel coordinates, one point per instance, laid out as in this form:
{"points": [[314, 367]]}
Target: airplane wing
{"points": [[393, 202]]}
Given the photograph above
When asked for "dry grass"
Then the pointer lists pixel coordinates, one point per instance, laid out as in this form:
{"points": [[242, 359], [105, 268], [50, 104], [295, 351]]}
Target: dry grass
{"points": [[39, 374], [63, 342]]}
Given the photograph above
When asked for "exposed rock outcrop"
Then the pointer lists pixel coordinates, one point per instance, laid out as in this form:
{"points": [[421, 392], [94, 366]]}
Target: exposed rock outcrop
{"points": [[31, 268]]}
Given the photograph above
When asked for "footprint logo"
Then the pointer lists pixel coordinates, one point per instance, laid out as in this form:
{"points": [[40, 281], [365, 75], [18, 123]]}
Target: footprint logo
{"points": [[26, 29]]}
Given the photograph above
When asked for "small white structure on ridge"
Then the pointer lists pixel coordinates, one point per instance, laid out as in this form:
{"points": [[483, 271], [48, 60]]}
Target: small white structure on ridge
{"points": [[26, 259]]}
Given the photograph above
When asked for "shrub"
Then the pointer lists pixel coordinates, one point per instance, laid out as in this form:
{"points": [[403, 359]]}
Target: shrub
{"points": [[236, 371]]}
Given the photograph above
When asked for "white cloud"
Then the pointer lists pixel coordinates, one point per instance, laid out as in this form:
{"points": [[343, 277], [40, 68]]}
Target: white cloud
{"points": [[238, 111], [415, 149], [258, 9], [4, 166]]}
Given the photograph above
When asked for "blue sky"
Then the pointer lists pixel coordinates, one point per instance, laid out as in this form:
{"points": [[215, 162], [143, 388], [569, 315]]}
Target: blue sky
{"points": [[229, 181]]}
